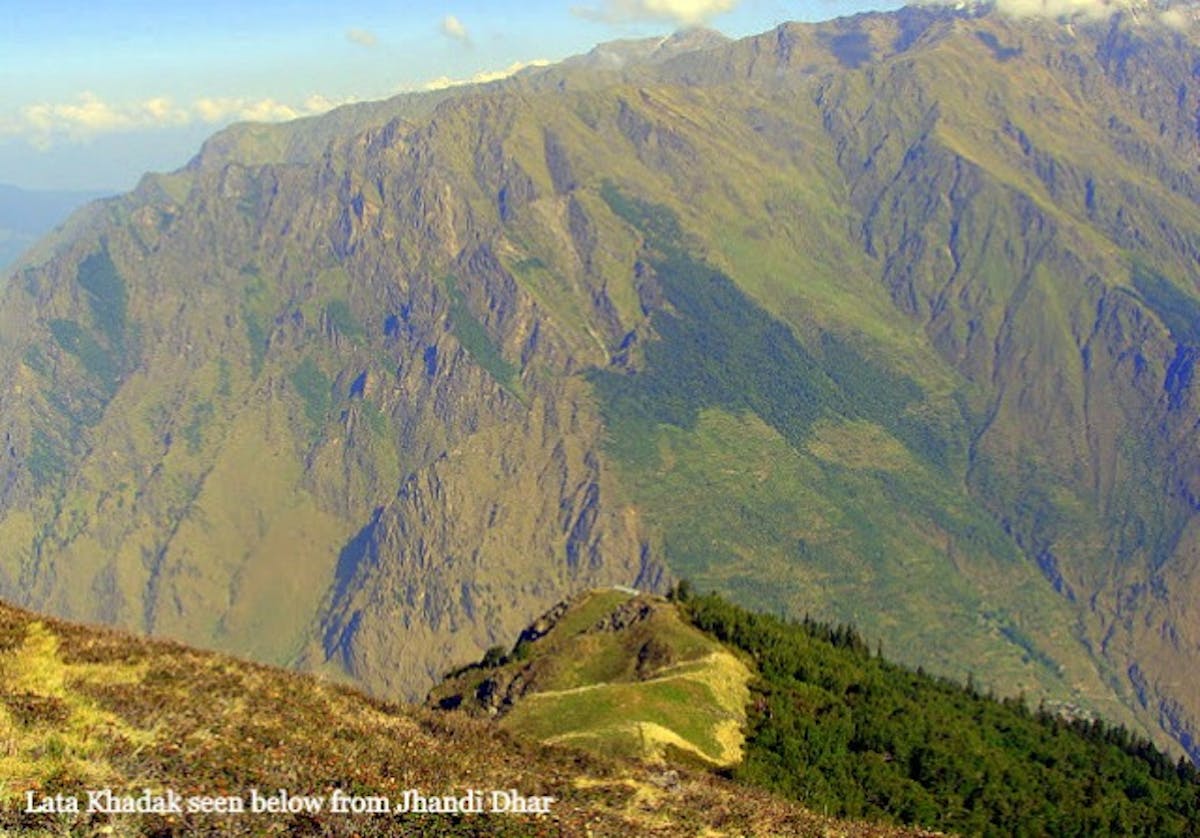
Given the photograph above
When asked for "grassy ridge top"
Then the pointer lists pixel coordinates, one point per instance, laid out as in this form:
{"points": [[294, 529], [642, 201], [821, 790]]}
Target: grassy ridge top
{"points": [[83, 709], [613, 672]]}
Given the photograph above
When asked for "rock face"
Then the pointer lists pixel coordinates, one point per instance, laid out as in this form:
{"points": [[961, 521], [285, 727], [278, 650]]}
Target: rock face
{"points": [[890, 320], [433, 570]]}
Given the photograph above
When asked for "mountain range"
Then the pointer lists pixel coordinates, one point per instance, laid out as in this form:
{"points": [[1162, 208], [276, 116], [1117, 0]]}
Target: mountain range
{"points": [[890, 320]]}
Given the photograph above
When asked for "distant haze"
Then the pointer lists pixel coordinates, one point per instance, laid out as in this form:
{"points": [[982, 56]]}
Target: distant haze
{"points": [[26, 215]]}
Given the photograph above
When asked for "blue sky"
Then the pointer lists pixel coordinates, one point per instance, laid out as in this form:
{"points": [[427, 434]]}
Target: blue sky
{"points": [[94, 93]]}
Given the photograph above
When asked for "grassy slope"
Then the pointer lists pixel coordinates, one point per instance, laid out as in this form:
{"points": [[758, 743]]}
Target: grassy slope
{"points": [[816, 481], [827, 721], [654, 687], [82, 708]]}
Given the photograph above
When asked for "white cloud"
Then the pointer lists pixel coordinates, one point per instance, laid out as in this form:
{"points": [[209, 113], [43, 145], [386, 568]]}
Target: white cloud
{"points": [[681, 12], [46, 123], [362, 37], [224, 109], [482, 77], [316, 103], [1057, 8], [1142, 9], [90, 115], [453, 28], [162, 110]]}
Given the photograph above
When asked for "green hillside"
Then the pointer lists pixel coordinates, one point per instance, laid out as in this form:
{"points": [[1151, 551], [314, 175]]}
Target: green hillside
{"points": [[840, 728], [799, 479], [612, 672]]}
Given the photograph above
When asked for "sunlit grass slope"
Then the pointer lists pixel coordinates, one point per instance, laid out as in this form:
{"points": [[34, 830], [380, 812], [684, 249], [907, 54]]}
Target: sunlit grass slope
{"points": [[615, 672]]}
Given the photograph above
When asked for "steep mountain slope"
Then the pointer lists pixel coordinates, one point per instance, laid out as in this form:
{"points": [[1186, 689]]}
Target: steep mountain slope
{"points": [[83, 710], [890, 320]]}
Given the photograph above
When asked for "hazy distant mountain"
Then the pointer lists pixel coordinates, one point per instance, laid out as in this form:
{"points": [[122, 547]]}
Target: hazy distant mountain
{"points": [[26, 215], [640, 52], [890, 320]]}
